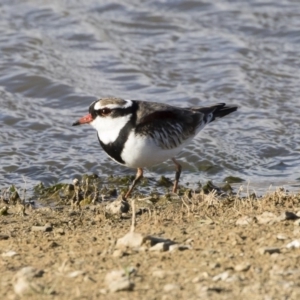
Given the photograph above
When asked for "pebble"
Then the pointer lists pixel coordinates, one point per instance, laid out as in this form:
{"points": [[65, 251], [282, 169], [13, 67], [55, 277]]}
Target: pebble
{"points": [[160, 247], [46, 228], [205, 291], [118, 206], [118, 253], [201, 277], [118, 280], [281, 236], [294, 244], [170, 287], [60, 231], [159, 274], [4, 237], [4, 210], [9, 254], [179, 247], [297, 222], [296, 231], [266, 218], [242, 267], [23, 281], [162, 274], [214, 265], [155, 240], [222, 276], [131, 240], [243, 221], [275, 256], [75, 274], [189, 241], [287, 215], [269, 250]]}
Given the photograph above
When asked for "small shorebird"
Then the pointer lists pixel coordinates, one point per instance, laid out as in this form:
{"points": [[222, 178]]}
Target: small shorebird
{"points": [[139, 134]]}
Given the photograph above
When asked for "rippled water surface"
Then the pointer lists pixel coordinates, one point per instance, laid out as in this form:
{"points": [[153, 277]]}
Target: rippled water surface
{"points": [[56, 57]]}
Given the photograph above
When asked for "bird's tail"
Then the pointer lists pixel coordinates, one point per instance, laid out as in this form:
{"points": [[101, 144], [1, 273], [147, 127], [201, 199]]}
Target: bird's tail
{"points": [[216, 111]]}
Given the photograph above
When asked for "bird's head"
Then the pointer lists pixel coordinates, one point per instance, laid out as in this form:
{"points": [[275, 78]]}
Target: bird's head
{"points": [[108, 116]]}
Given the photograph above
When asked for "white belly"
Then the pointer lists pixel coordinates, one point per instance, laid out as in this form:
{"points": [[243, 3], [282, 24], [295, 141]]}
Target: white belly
{"points": [[141, 151]]}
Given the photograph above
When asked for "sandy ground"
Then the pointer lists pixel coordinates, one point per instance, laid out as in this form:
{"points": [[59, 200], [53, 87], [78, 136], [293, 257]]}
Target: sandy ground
{"points": [[211, 247]]}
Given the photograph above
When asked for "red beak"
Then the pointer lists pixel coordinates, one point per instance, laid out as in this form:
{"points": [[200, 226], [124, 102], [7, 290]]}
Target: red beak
{"points": [[86, 119]]}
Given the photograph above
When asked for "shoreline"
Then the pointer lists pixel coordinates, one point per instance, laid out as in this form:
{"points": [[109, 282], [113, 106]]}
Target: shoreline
{"points": [[188, 246]]}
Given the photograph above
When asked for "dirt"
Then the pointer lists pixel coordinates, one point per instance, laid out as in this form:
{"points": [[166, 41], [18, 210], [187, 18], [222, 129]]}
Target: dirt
{"points": [[231, 247]]}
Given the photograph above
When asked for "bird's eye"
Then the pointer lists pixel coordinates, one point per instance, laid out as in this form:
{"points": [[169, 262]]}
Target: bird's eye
{"points": [[104, 111]]}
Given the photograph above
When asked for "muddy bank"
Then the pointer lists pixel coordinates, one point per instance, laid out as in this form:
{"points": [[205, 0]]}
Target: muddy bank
{"points": [[190, 246]]}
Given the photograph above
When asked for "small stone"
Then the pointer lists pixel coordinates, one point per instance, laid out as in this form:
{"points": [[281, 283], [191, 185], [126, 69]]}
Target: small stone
{"points": [[293, 244], [189, 241], [118, 253], [281, 236], [9, 254], [297, 222], [23, 281], [298, 213], [38, 228], [196, 279], [60, 231], [179, 247], [296, 231], [118, 206], [287, 215], [206, 292], [52, 244], [202, 276], [4, 211], [155, 240], [4, 237], [171, 287], [233, 278], [48, 227], [275, 256], [103, 291], [266, 218], [174, 247], [160, 247], [45, 228], [214, 265], [243, 221], [269, 250], [131, 240], [118, 280], [143, 249], [159, 274], [222, 276], [75, 274], [242, 267]]}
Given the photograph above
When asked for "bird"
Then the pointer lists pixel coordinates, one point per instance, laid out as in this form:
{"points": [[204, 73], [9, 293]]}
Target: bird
{"points": [[139, 134]]}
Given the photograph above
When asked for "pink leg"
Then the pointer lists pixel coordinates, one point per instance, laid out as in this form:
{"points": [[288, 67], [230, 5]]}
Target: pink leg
{"points": [[177, 174], [138, 176]]}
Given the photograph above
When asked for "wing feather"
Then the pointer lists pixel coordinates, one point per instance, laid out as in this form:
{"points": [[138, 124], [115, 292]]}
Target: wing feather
{"points": [[167, 125]]}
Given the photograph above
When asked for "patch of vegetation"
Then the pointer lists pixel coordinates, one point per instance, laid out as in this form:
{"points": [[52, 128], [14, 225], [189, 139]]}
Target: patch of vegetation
{"points": [[233, 179]]}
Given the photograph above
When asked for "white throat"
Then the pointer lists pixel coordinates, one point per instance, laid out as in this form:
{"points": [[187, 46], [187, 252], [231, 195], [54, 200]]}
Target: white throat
{"points": [[109, 128]]}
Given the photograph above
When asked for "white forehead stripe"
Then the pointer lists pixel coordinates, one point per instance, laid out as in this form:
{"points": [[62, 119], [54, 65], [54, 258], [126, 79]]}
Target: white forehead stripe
{"points": [[128, 104], [112, 106]]}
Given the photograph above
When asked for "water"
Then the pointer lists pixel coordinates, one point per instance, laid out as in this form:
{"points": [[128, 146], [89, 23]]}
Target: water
{"points": [[56, 57]]}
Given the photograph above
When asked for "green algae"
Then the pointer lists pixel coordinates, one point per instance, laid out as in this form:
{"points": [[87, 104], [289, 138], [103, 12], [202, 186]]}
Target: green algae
{"points": [[233, 179], [89, 189]]}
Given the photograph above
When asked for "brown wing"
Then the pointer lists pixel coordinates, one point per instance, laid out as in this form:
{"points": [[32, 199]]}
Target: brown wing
{"points": [[169, 126]]}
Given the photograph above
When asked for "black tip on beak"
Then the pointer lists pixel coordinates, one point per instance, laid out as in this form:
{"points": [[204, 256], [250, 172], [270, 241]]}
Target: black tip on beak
{"points": [[76, 123]]}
